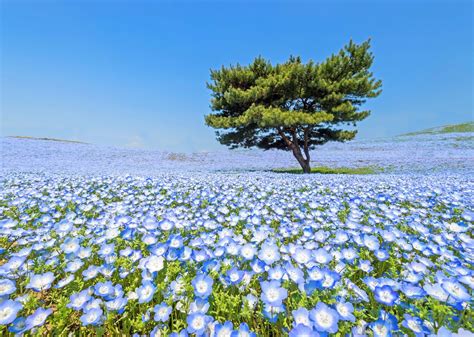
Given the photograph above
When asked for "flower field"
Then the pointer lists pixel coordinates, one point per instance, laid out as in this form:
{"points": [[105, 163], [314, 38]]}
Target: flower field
{"points": [[236, 255], [225, 253]]}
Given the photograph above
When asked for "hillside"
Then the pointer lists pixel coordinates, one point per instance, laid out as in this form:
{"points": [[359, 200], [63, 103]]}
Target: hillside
{"points": [[49, 139], [421, 153], [453, 128]]}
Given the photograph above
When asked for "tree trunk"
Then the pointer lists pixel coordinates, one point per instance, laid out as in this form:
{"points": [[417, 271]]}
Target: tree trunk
{"points": [[304, 162]]}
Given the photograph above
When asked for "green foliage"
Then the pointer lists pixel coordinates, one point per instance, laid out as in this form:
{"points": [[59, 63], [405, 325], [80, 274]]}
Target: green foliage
{"points": [[292, 105], [332, 170]]}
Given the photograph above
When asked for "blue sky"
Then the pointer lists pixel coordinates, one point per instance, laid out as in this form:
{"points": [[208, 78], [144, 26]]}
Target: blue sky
{"points": [[133, 73]]}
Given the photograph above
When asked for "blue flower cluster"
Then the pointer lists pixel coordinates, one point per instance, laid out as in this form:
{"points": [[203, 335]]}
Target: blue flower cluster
{"points": [[250, 254]]}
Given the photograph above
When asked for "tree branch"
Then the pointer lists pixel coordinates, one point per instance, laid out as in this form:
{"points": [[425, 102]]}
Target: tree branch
{"points": [[295, 136], [305, 146], [285, 138]]}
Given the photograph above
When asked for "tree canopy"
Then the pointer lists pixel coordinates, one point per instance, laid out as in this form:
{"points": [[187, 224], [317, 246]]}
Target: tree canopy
{"points": [[294, 105]]}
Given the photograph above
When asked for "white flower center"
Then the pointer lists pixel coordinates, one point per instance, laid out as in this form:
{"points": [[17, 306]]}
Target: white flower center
{"points": [[324, 319], [162, 311], [201, 286], [92, 317], [381, 329], [6, 312], [414, 326], [302, 320], [385, 296], [272, 294], [39, 319], [198, 323], [343, 310], [78, 301]]}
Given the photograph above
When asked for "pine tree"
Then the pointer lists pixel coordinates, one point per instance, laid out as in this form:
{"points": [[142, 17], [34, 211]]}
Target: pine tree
{"points": [[293, 106]]}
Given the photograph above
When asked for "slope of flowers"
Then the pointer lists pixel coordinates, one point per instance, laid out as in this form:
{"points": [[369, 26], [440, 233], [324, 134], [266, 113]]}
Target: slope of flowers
{"points": [[423, 154], [236, 255]]}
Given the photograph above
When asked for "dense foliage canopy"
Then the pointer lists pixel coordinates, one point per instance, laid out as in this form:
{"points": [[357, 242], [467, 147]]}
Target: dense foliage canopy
{"points": [[293, 106]]}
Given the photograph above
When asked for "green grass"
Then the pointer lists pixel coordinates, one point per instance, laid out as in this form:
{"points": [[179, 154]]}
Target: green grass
{"points": [[463, 127], [332, 170]]}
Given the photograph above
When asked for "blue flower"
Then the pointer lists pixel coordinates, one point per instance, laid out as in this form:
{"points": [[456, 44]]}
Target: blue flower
{"points": [[199, 305], [18, 326], [381, 328], [118, 304], [371, 242], [162, 312], [90, 272], [325, 319], [272, 293], [79, 300], [172, 254], [365, 266], [412, 291], [243, 331], [345, 311], [7, 287], [276, 273], [37, 318], [74, 266], [322, 256], [269, 253], [349, 254], [382, 255], [302, 256], [385, 325], [436, 291], [272, 312], [182, 333], [175, 241], [154, 263], [202, 285], [95, 303], [70, 246], [301, 317], [41, 282], [234, 276], [416, 325], [330, 278], [92, 317], [456, 290], [248, 251], [106, 249], [8, 311], [385, 295], [257, 266], [145, 292], [223, 330], [146, 316], [197, 323], [105, 290], [303, 331], [295, 274], [14, 263], [166, 225]]}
